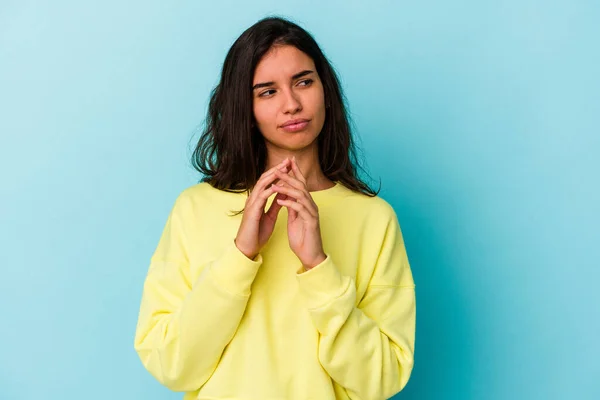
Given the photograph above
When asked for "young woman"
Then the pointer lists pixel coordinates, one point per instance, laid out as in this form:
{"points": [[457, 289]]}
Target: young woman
{"points": [[312, 299]]}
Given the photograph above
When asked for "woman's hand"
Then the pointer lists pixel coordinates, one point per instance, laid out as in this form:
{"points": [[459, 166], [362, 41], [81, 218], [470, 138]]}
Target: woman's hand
{"points": [[257, 226], [304, 232]]}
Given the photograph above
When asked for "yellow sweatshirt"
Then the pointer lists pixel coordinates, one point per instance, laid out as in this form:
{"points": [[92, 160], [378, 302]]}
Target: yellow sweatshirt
{"points": [[218, 325]]}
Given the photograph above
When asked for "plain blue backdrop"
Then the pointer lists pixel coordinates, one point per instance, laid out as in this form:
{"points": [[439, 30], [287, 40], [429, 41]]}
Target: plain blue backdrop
{"points": [[480, 118]]}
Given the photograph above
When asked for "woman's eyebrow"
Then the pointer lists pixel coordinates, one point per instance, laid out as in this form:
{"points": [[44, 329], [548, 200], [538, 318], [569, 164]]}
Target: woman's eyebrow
{"points": [[296, 76]]}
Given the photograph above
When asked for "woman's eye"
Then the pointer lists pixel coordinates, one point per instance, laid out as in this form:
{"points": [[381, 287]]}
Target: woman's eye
{"points": [[266, 92], [307, 81]]}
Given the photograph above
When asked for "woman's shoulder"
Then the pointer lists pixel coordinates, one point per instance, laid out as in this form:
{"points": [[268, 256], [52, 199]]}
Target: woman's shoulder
{"points": [[197, 191], [360, 203], [203, 194]]}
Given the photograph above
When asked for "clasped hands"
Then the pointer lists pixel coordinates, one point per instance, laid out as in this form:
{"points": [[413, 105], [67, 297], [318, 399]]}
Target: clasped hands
{"points": [[303, 228]]}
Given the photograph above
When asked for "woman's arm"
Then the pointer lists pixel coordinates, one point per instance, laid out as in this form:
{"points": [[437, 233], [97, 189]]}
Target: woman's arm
{"points": [[366, 347], [184, 326]]}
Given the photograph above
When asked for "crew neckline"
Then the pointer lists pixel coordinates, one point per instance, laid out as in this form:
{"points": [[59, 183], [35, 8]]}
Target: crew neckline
{"points": [[323, 192], [321, 197], [329, 196]]}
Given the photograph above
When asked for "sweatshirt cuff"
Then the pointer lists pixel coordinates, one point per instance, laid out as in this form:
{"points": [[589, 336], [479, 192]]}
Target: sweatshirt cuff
{"points": [[321, 284], [234, 272]]}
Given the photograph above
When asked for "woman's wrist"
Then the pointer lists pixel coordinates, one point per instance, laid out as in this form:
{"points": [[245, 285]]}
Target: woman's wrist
{"points": [[316, 262], [244, 252]]}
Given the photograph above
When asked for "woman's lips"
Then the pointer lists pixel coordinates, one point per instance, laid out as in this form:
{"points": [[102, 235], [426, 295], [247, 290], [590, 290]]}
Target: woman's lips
{"points": [[295, 127]]}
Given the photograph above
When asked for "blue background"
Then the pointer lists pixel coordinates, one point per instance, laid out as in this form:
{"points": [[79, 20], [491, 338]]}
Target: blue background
{"points": [[481, 118]]}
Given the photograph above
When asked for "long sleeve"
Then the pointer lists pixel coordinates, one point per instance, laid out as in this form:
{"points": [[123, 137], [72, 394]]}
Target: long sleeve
{"points": [[184, 326], [367, 347]]}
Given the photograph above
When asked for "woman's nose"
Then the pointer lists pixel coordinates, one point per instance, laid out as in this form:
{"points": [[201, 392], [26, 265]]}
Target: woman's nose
{"points": [[292, 102]]}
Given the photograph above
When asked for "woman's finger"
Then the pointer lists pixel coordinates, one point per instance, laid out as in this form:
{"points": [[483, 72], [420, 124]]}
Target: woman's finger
{"points": [[290, 180], [299, 208], [267, 178], [298, 197], [297, 173]]}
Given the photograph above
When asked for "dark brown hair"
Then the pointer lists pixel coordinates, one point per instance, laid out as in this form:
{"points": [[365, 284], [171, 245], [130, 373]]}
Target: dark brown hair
{"points": [[231, 151]]}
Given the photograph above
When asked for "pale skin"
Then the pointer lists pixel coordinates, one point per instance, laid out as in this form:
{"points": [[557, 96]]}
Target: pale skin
{"points": [[287, 87]]}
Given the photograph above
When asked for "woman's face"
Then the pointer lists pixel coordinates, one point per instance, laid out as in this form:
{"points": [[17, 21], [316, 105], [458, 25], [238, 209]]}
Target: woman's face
{"points": [[286, 87]]}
